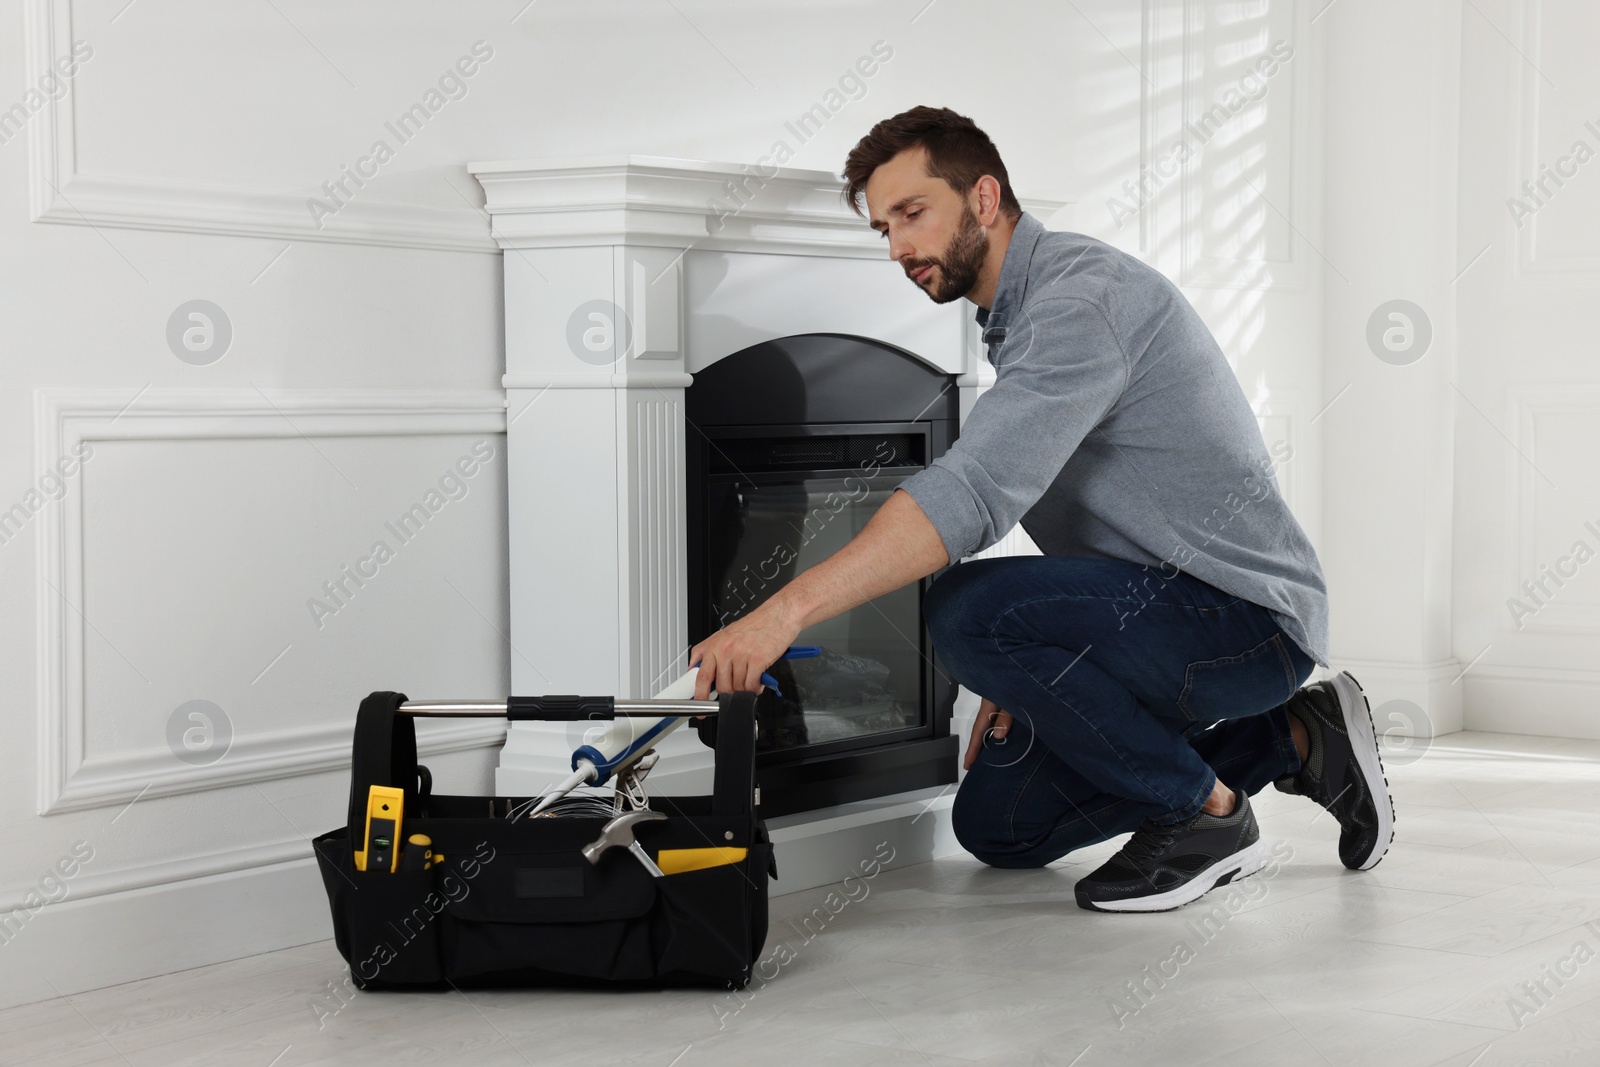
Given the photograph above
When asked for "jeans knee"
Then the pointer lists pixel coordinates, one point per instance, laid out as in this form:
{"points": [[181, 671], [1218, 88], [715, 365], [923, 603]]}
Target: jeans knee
{"points": [[947, 607], [981, 835]]}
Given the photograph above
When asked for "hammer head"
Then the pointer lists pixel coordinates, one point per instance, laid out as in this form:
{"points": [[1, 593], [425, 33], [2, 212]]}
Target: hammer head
{"points": [[619, 831]]}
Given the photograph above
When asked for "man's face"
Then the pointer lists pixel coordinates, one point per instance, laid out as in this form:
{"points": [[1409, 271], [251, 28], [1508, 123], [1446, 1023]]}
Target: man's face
{"points": [[931, 230]]}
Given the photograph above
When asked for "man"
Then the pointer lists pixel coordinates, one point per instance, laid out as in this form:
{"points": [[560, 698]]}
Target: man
{"points": [[1148, 664]]}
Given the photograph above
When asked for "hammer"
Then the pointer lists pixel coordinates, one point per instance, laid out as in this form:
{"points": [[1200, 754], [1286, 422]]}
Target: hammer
{"points": [[619, 831]]}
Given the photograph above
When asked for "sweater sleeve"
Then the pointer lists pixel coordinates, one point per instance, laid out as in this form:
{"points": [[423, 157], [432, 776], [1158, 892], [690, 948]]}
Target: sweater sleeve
{"points": [[1060, 370]]}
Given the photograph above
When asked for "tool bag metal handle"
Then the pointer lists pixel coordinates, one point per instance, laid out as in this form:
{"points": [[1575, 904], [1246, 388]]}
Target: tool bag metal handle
{"points": [[384, 749], [557, 708]]}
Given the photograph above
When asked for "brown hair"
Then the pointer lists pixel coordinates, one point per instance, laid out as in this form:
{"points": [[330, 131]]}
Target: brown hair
{"points": [[958, 152]]}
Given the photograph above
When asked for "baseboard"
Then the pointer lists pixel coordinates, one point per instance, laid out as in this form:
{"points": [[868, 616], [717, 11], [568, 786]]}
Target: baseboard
{"points": [[1413, 699], [76, 945], [1542, 701], [824, 847]]}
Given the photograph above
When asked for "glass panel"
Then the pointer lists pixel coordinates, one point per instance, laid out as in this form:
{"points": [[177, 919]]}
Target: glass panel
{"points": [[869, 677]]}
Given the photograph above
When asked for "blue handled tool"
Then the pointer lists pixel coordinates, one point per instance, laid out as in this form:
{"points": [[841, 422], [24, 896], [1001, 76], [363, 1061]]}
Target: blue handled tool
{"points": [[795, 652], [624, 741]]}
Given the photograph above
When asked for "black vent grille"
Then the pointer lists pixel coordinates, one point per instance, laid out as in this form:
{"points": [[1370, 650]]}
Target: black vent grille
{"points": [[756, 455]]}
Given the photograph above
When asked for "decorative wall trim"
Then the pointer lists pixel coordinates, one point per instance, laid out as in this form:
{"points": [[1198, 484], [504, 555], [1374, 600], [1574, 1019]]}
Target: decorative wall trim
{"points": [[1527, 97], [657, 587], [58, 193], [1524, 672], [63, 417], [659, 201], [1560, 614]]}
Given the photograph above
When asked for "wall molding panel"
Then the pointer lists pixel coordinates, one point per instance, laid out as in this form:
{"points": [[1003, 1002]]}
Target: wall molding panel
{"points": [[64, 417], [59, 194], [1560, 614], [1527, 93]]}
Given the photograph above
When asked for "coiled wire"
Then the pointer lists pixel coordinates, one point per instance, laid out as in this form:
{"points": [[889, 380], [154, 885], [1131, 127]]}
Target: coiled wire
{"points": [[584, 804]]}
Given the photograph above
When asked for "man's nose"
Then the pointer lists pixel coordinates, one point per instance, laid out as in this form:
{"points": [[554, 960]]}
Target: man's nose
{"points": [[900, 250]]}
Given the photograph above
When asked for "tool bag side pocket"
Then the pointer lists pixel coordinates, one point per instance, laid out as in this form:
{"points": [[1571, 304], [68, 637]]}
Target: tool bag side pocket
{"points": [[713, 921], [763, 865], [385, 924], [705, 924]]}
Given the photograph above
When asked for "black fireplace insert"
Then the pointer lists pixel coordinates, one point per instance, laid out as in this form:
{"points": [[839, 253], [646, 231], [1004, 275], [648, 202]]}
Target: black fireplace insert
{"points": [[792, 445]]}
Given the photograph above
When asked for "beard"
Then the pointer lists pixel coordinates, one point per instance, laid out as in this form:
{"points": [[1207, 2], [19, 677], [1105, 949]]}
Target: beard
{"points": [[956, 272]]}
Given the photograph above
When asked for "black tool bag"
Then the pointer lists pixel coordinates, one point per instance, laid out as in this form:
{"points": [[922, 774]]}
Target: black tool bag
{"points": [[516, 902]]}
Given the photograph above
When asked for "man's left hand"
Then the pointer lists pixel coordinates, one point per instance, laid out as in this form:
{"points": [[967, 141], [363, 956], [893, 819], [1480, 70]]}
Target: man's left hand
{"points": [[732, 659]]}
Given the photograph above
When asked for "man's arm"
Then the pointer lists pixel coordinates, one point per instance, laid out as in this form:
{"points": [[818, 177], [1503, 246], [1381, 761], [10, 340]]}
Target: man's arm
{"points": [[897, 546], [1062, 370]]}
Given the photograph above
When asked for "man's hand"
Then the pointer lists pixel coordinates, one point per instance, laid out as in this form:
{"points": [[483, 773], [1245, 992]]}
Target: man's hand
{"points": [[987, 713], [734, 657]]}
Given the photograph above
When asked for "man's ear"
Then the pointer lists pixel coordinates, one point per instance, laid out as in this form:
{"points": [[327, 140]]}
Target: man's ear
{"points": [[988, 196]]}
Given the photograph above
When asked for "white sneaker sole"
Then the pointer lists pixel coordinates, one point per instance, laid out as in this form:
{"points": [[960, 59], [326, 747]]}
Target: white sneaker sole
{"points": [[1364, 745], [1245, 862]]}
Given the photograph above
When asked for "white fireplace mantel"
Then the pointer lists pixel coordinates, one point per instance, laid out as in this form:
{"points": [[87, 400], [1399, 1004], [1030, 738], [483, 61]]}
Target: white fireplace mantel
{"points": [[624, 275], [671, 203]]}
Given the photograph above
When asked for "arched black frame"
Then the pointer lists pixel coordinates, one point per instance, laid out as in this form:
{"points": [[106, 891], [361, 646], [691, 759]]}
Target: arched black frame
{"points": [[803, 404]]}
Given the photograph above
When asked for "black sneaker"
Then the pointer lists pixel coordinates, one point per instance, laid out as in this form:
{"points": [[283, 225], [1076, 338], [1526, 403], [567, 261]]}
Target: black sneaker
{"points": [[1342, 770], [1165, 866]]}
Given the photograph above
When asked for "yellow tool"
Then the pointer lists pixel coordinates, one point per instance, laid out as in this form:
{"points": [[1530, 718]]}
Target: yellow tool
{"points": [[418, 853], [383, 829], [679, 860]]}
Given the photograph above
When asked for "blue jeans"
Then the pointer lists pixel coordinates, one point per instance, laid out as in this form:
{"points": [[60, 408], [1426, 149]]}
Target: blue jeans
{"points": [[1132, 690]]}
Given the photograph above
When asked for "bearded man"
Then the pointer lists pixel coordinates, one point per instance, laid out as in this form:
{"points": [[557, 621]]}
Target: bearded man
{"points": [[1144, 674]]}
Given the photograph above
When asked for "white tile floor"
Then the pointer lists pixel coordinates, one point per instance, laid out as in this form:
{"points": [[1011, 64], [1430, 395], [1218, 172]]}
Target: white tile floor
{"points": [[1493, 876]]}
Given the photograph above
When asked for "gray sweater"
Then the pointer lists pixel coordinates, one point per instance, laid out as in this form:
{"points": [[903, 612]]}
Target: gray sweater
{"points": [[1115, 427]]}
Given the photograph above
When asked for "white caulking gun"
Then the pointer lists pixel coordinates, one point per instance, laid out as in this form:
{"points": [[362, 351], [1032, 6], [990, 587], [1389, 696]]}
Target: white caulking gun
{"points": [[623, 741]]}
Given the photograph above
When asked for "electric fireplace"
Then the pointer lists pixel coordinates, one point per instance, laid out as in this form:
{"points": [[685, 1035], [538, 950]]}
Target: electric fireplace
{"points": [[791, 446]]}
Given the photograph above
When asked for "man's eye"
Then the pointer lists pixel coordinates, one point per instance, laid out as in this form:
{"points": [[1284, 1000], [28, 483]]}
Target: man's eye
{"points": [[913, 216]]}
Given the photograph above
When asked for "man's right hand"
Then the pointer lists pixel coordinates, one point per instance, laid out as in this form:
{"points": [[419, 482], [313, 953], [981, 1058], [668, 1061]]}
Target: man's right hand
{"points": [[989, 716]]}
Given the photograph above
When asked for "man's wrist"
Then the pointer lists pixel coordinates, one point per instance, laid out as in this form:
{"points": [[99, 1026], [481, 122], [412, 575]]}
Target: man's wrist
{"points": [[787, 606]]}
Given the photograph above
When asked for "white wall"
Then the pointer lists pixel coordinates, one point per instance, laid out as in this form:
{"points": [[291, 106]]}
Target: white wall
{"points": [[366, 356], [1454, 478], [218, 498], [1528, 409], [1391, 97]]}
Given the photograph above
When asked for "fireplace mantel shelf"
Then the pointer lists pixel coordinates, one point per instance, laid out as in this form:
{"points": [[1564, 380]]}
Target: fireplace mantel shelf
{"points": [[678, 203]]}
